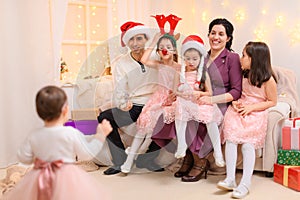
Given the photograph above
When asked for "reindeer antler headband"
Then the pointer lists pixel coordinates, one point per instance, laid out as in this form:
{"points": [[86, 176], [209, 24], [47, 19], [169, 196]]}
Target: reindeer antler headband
{"points": [[161, 21]]}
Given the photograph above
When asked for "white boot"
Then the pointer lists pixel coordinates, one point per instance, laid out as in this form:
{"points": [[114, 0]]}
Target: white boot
{"points": [[181, 142], [214, 134]]}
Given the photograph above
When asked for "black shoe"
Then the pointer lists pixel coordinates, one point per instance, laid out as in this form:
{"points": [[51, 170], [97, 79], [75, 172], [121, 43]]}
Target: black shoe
{"points": [[151, 167], [112, 170]]}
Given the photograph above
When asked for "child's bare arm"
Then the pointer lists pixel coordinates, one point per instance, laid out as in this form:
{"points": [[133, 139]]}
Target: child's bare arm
{"points": [[146, 56]]}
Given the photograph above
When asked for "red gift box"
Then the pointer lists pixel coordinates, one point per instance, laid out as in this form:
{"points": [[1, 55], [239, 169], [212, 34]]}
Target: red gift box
{"points": [[287, 175], [290, 136]]}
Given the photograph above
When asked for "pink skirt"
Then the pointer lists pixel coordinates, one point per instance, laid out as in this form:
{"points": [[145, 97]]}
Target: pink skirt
{"points": [[71, 182]]}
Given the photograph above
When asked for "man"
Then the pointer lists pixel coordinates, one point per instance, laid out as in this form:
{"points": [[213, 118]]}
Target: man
{"points": [[134, 84]]}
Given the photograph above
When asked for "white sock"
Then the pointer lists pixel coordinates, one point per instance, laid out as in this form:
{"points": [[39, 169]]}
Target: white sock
{"points": [[248, 151], [230, 157], [132, 153], [181, 142], [214, 134]]}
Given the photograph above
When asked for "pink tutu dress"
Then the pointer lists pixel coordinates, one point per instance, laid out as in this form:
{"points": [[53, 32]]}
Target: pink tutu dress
{"points": [[57, 178], [253, 127], [154, 108], [188, 109]]}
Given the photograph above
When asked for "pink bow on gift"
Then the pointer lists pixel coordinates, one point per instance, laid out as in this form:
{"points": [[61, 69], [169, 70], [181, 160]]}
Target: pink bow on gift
{"points": [[46, 177], [161, 21]]}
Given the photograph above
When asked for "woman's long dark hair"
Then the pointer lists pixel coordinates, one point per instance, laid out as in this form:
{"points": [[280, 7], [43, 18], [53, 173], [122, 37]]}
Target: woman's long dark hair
{"points": [[203, 79], [228, 28], [260, 68]]}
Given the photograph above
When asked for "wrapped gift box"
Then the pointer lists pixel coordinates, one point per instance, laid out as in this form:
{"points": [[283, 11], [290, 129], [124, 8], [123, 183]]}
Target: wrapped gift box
{"points": [[287, 175], [87, 127], [288, 157], [290, 135]]}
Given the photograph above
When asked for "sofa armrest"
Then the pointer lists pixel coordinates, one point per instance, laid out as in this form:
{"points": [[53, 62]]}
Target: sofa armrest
{"points": [[276, 117]]}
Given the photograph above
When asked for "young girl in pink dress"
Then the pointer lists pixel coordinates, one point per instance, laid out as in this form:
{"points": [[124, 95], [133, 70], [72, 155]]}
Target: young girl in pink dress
{"points": [[245, 121], [194, 79], [53, 150], [157, 105]]}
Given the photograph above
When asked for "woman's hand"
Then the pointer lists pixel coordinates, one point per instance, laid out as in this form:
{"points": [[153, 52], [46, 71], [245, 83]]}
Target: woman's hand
{"points": [[205, 100]]}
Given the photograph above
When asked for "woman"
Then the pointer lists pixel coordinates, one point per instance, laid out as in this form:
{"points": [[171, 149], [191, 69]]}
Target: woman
{"points": [[224, 69]]}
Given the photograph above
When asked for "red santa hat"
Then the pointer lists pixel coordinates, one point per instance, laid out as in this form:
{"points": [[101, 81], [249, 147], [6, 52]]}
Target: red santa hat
{"points": [[193, 42], [130, 29]]}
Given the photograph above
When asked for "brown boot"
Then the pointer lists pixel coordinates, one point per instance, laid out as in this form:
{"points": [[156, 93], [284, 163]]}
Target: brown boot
{"points": [[186, 166], [201, 166]]}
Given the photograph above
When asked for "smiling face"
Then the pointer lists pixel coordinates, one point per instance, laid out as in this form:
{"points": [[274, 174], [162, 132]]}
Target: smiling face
{"points": [[166, 48], [192, 60], [218, 38], [137, 43]]}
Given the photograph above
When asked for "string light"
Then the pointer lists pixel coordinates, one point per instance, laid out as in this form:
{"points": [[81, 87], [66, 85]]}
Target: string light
{"points": [[295, 35], [279, 20], [193, 11], [264, 11], [204, 16], [240, 15], [225, 3], [260, 34]]}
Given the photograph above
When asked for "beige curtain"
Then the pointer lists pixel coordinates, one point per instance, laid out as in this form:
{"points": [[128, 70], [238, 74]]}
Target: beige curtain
{"points": [[30, 38]]}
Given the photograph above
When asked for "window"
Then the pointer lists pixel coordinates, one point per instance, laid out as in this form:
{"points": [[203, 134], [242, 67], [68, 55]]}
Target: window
{"points": [[84, 46]]}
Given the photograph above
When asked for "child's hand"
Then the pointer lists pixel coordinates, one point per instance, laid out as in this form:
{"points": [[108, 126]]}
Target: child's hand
{"points": [[245, 109], [103, 129], [127, 106], [170, 98], [157, 36]]}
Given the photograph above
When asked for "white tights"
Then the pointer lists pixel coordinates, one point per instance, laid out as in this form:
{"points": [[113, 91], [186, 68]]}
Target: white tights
{"points": [[213, 132], [181, 141], [139, 145], [248, 152]]}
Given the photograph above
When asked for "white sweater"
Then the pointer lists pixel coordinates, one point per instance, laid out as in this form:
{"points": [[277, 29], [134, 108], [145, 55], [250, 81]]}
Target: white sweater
{"points": [[131, 82], [58, 143]]}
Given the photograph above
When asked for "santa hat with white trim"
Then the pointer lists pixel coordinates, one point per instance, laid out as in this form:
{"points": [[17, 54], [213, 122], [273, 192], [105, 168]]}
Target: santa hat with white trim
{"points": [[193, 42], [130, 29]]}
